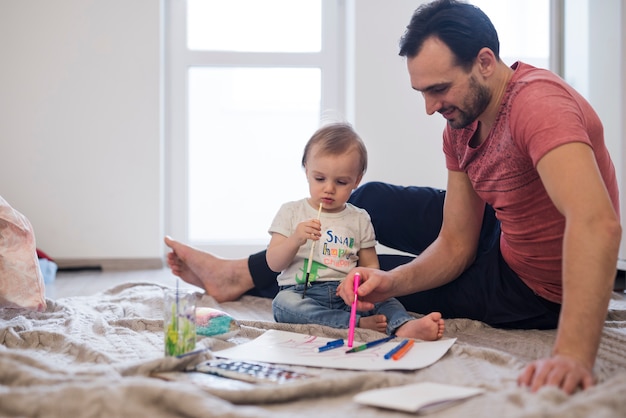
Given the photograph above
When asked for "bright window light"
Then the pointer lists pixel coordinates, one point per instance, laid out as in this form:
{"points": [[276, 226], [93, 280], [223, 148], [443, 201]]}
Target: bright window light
{"points": [[523, 29], [247, 131], [254, 26]]}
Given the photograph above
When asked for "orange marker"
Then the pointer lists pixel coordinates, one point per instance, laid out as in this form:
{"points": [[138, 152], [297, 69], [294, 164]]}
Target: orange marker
{"points": [[403, 350]]}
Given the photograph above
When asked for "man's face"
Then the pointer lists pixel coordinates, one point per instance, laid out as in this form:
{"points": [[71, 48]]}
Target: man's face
{"points": [[447, 88]]}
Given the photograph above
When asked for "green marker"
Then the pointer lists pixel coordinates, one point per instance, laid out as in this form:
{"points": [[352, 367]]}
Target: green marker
{"points": [[370, 344]]}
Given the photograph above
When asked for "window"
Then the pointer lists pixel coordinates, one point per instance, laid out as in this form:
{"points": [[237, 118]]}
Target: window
{"points": [[249, 82], [524, 29]]}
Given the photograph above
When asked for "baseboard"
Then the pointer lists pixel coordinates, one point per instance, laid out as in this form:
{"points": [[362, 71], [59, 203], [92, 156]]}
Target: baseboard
{"points": [[110, 264], [621, 264]]}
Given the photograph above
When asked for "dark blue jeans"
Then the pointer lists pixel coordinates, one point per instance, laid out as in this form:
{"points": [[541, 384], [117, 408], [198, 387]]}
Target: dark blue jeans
{"points": [[409, 219], [323, 306]]}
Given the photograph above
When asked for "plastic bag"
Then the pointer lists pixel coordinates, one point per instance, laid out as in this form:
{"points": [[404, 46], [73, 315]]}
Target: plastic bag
{"points": [[21, 280]]}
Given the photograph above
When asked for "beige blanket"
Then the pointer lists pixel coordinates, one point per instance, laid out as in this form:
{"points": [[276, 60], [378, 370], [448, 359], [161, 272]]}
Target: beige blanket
{"points": [[91, 357]]}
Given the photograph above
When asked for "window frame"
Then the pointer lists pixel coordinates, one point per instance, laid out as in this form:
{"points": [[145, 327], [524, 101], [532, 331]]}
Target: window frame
{"points": [[331, 60]]}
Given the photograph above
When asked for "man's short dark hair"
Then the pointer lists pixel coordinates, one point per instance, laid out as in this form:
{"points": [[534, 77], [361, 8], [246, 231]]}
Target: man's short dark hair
{"points": [[463, 27]]}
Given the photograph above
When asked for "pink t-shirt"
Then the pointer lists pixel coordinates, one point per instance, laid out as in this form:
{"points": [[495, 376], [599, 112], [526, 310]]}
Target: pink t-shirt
{"points": [[539, 112]]}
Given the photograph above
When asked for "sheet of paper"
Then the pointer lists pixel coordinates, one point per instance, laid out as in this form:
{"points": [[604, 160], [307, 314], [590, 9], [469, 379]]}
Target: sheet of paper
{"points": [[284, 347], [412, 398]]}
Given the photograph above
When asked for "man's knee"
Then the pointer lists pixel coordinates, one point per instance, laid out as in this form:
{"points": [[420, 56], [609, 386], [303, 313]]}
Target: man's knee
{"points": [[367, 196]]}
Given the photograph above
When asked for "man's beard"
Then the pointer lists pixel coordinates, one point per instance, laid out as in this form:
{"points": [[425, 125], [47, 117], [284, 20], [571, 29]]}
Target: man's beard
{"points": [[474, 104]]}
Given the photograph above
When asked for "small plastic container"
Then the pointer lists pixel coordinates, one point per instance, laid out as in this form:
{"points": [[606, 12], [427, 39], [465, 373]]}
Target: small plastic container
{"points": [[179, 322]]}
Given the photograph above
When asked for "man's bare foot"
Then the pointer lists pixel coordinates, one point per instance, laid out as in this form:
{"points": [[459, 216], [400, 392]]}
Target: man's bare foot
{"points": [[375, 322], [224, 279], [427, 328]]}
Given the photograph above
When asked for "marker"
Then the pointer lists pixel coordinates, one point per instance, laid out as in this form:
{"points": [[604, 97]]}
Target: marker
{"points": [[331, 344], [357, 279], [308, 266], [370, 344], [403, 350], [396, 349]]}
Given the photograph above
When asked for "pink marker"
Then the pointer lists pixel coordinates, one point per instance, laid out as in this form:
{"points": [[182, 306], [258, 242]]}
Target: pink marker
{"points": [[357, 279]]}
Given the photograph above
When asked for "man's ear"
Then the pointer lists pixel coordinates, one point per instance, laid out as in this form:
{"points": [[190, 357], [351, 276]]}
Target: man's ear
{"points": [[486, 61]]}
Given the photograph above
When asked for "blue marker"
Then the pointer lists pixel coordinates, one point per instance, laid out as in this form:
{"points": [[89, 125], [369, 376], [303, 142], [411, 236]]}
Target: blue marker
{"points": [[395, 349], [331, 344]]}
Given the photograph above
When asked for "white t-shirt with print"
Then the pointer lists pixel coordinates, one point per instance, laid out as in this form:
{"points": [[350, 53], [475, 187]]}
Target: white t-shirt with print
{"points": [[344, 234]]}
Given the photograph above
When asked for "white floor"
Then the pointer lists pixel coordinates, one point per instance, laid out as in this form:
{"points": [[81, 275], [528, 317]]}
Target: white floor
{"points": [[89, 282], [86, 282]]}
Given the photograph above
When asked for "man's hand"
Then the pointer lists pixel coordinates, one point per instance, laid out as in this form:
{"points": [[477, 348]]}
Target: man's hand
{"points": [[561, 371], [376, 286]]}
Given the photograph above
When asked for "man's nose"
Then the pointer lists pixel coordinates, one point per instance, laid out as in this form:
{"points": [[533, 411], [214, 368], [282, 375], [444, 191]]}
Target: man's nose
{"points": [[432, 105]]}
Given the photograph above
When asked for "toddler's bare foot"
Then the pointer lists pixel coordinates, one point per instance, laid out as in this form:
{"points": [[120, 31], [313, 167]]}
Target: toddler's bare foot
{"points": [[224, 279], [375, 322], [427, 328]]}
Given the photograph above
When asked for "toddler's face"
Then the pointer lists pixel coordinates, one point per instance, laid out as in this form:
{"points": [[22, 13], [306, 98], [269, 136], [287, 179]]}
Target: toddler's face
{"points": [[332, 178]]}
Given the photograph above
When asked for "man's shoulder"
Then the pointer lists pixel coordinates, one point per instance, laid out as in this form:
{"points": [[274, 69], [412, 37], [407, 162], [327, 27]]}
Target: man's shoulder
{"points": [[538, 79]]}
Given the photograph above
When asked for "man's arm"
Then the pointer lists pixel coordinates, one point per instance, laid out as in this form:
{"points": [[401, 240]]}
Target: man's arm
{"points": [[454, 250], [444, 260], [590, 246]]}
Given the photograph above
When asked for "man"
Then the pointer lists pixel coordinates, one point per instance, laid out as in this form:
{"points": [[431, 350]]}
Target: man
{"points": [[526, 234]]}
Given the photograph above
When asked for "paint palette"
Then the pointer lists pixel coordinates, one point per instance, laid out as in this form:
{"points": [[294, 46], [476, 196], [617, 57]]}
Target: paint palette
{"points": [[251, 372]]}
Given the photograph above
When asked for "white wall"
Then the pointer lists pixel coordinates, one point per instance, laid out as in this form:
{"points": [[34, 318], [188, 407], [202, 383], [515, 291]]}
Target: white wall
{"points": [[80, 137]]}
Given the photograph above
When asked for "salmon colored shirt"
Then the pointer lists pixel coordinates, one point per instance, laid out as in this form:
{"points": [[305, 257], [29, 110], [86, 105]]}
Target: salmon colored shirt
{"points": [[539, 112]]}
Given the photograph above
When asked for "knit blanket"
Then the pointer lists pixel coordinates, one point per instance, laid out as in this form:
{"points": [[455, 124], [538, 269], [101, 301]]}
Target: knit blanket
{"points": [[93, 356]]}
